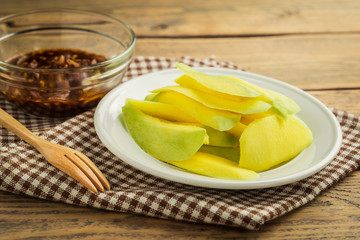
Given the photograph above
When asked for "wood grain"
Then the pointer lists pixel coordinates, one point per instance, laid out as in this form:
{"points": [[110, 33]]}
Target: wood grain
{"points": [[313, 45], [213, 18], [347, 100], [308, 62]]}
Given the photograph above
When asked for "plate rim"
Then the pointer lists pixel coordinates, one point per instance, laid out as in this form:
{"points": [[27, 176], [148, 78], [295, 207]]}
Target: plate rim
{"points": [[218, 183]]}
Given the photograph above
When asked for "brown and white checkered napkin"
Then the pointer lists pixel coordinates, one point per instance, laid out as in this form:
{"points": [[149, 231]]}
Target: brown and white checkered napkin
{"points": [[24, 171]]}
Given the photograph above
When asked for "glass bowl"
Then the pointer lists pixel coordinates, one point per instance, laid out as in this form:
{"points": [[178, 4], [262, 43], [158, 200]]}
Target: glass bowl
{"points": [[62, 92]]}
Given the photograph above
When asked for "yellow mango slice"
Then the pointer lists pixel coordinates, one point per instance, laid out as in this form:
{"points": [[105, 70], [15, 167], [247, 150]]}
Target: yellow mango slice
{"points": [[237, 130], [150, 97], [269, 141], [230, 153], [246, 121], [282, 104], [246, 106], [221, 139], [214, 166], [263, 96], [189, 82], [218, 83], [216, 137], [217, 119], [162, 110], [248, 118], [162, 139]]}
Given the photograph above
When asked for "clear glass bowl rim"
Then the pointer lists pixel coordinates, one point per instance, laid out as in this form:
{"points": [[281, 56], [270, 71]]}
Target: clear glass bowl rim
{"points": [[47, 10]]}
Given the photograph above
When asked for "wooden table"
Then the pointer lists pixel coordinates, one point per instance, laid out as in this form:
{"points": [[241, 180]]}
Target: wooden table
{"points": [[314, 45]]}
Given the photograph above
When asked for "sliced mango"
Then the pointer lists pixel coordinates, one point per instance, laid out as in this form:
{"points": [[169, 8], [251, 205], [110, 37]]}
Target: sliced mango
{"points": [[207, 138], [221, 126], [162, 110], [246, 106], [189, 82], [221, 139], [217, 119], [258, 115], [162, 139], [237, 130], [269, 141], [216, 137], [230, 153], [150, 97], [248, 118], [263, 96], [246, 121], [282, 104], [218, 83], [214, 166]]}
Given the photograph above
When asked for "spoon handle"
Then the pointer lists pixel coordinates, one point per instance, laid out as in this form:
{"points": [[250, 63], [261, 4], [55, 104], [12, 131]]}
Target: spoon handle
{"points": [[11, 124]]}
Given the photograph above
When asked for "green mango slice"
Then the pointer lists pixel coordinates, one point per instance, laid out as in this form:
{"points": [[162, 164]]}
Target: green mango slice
{"points": [[162, 139]]}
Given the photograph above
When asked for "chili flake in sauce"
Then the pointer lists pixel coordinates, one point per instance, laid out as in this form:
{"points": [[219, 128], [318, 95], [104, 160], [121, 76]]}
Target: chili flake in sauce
{"points": [[56, 93], [57, 59]]}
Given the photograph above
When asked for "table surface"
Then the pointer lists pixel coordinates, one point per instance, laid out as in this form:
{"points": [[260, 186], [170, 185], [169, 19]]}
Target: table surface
{"points": [[314, 45]]}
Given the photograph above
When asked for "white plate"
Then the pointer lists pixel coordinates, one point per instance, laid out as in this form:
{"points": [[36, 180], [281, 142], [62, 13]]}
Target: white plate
{"points": [[323, 124]]}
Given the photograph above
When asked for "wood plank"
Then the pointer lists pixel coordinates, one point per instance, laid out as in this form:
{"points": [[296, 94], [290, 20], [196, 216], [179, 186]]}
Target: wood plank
{"points": [[231, 17], [335, 214], [313, 45], [346, 100], [306, 61]]}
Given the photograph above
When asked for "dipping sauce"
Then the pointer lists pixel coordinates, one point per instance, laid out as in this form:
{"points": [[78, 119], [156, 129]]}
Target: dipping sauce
{"points": [[54, 83], [56, 59]]}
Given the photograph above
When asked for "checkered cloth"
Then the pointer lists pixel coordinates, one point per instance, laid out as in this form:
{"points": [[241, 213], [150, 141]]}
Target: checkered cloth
{"points": [[25, 171]]}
